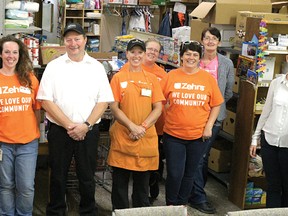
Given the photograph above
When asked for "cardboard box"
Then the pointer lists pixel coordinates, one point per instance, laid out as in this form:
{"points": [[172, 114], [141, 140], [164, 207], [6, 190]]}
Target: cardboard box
{"points": [[227, 34], [229, 123], [49, 53], [197, 26], [242, 33], [144, 2], [220, 156], [130, 2], [114, 1], [225, 11], [103, 56], [236, 83]]}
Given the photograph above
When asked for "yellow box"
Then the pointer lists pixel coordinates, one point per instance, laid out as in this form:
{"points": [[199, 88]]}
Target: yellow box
{"points": [[49, 53], [229, 123]]}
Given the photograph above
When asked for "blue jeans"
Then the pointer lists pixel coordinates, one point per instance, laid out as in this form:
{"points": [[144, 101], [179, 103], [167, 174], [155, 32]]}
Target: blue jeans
{"points": [[275, 164], [198, 194], [182, 160], [17, 173]]}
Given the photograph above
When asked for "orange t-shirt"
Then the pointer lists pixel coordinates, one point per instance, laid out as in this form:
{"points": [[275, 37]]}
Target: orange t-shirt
{"points": [[160, 74], [142, 154], [17, 105], [190, 98]]}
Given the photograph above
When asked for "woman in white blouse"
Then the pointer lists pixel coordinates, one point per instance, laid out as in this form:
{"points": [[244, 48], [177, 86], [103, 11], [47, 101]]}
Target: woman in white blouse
{"points": [[272, 131]]}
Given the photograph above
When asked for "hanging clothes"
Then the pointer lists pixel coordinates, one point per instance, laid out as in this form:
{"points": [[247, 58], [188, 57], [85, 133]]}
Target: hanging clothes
{"points": [[165, 26], [179, 19], [148, 17], [124, 13], [137, 20]]}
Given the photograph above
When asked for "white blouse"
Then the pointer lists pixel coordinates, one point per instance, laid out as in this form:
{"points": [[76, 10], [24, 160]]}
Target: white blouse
{"points": [[274, 118]]}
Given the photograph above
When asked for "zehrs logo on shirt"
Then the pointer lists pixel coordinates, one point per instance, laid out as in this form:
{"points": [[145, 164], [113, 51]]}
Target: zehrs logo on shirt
{"points": [[189, 86], [14, 89]]}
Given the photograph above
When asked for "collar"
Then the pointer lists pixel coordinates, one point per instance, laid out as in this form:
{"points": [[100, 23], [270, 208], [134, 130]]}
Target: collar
{"points": [[284, 80], [86, 59]]}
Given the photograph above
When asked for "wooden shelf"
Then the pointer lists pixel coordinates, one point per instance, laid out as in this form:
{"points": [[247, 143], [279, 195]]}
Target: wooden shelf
{"points": [[73, 17], [79, 15], [254, 206], [31, 29], [282, 52]]}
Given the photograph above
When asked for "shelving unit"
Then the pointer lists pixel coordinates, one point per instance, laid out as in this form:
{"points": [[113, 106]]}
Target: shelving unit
{"points": [[248, 94], [74, 13], [5, 31], [247, 117]]}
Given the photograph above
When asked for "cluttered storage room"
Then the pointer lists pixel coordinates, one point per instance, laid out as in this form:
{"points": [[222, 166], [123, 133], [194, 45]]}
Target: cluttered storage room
{"points": [[216, 67]]}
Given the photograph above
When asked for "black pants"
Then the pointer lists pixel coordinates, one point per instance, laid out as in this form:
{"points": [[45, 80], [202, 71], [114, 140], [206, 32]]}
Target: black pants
{"points": [[275, 164], [119, 196], [157, 175], [61, 150]]}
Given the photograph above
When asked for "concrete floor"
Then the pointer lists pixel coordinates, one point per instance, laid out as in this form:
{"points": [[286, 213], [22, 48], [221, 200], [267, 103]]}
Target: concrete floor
{"points": [[217, 194]]}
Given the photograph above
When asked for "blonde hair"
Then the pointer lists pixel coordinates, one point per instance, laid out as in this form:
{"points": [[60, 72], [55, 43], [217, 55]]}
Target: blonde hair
{"points": [[153, 40]]}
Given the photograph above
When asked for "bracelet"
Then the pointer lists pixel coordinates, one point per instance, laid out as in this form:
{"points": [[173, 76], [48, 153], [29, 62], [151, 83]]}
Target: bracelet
{"points": [[144, 124]]}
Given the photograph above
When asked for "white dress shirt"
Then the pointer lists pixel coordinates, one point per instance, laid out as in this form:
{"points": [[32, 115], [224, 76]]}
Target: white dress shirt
{"points": [[274, 118]]}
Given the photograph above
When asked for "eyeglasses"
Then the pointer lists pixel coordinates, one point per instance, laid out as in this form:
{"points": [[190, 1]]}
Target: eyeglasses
{"points": [[213, 39], [192, 42], [152, 50]]}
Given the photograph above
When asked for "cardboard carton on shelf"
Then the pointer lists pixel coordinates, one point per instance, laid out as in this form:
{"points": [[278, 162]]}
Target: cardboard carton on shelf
{"points": [[229, 122], [236, 83], [220, 156], [49, 53], [224, 11], [144, 2], [197, 26], [243, 33], [227, 31]]}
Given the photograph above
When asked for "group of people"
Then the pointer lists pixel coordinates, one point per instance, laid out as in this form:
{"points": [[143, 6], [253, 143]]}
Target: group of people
{"points": [[177, 115]]}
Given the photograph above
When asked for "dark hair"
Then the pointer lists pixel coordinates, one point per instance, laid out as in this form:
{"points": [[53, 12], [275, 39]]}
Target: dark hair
{"points": [[24, 66], [191, 45], [214, 31]]}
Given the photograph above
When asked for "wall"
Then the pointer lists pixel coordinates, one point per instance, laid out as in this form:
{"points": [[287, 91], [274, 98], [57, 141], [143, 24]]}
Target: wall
{"points": [[111, 27], [52, 36]]}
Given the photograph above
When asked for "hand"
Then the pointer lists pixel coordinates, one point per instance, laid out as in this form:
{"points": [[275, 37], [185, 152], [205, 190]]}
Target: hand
{"points": [[77, 131], [205, 138], [207, 133], [253, 151], [137, 132]]}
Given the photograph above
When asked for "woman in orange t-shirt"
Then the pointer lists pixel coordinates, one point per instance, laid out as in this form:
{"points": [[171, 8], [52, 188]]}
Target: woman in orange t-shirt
{"points": [[134, 149], [19, 131], [193, 104]]}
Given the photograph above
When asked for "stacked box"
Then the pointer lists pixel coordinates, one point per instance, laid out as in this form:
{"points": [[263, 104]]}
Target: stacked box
{"points": [[220, 156], [229, 122], [254, 195], [145, 2]]}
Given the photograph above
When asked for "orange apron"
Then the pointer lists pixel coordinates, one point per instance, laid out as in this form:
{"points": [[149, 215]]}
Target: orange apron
{"points": [[142, 154]]}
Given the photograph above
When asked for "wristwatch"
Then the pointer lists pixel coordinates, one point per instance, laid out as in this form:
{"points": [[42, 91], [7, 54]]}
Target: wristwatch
{"points": [[90, 127]]}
